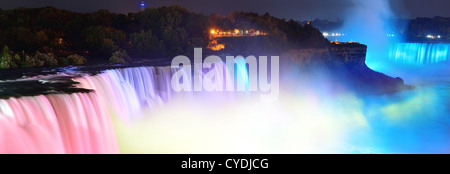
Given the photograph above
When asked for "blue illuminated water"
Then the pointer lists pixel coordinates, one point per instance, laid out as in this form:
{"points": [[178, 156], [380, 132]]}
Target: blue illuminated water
{"points": [[416, 121], [419, 53], [412, 121]]}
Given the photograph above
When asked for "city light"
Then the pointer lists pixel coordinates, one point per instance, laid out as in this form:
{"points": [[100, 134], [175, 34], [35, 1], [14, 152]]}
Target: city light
{"points": [[433, 36], [326, 34]]}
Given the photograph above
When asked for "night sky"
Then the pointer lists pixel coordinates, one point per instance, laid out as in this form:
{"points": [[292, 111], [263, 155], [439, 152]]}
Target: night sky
{"points": [[295, 9]]}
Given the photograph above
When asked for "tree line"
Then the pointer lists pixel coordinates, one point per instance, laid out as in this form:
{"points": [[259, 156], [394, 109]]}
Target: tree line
{"points": [[48, 36]]}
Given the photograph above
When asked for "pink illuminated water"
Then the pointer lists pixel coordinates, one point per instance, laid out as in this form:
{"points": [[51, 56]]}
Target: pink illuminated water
{"points": [[134, 110], [62, 123], [82, 122]]}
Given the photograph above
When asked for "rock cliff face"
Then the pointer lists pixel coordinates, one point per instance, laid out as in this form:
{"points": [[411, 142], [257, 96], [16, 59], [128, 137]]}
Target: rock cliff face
{"points": [[345, 66], [337, 54]]}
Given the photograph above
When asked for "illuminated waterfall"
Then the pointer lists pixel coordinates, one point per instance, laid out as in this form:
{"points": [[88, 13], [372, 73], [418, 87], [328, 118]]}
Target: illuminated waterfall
{"points": [[241, 73], [81, 122], [59, 123], [126, 91], [419, 53], [305, 120]]}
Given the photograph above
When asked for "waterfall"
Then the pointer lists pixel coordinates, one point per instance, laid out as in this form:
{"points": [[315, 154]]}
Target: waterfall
{"points": [[82, 122], [58, 123], [126, 91], [419, 53]]}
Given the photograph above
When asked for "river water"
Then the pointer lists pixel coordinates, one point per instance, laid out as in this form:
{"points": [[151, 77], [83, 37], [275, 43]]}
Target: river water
{"points": [[308, 117], [414, 121], [134, 110]]}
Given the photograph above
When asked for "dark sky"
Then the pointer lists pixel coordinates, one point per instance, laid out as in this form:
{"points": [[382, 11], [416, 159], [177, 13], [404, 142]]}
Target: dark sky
{"points": [[295, 9]]}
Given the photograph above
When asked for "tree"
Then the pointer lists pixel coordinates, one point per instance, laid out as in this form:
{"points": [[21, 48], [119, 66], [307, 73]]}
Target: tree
{"points": [[31, 61], [47, 58], [76, 59], [144, 43], [102, 40], [6, 59], [120, 57], [154, 32]]}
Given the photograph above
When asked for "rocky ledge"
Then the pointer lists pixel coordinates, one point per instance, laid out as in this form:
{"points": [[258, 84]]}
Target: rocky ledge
{"points": [[345, 67]]}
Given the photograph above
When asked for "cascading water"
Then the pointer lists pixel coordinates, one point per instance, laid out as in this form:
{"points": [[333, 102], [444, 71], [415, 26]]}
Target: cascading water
{"points": [[154, 119], [419, 53], [81, 122], [58, 123], [126, 91]]}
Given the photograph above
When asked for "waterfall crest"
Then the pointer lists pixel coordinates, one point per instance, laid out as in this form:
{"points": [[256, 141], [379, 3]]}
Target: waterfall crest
{"points": [[81, 122], [419, 53]]}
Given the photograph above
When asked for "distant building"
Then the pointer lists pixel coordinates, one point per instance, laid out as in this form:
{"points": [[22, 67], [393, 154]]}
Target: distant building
{"points": [[237, 33], [217, 33], [142, 5]]}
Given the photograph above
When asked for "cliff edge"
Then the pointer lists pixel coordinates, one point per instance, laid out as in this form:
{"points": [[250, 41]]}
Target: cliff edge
{"points": [[345, 67]]}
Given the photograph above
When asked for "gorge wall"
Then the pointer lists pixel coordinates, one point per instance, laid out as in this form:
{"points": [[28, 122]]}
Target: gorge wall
{"points": [[345, 65]]}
